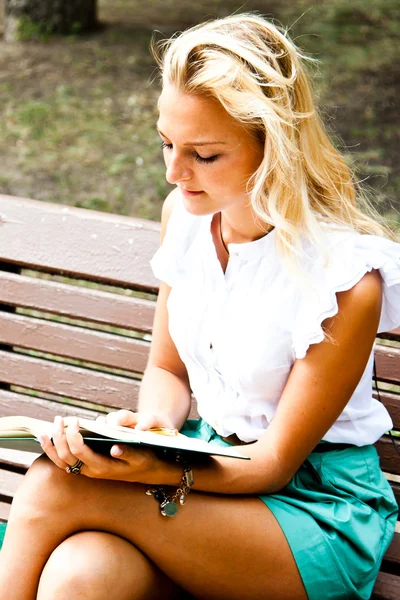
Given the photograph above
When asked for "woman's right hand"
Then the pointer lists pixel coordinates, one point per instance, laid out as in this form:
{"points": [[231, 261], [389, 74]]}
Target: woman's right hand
{"points": [[143, 421]]}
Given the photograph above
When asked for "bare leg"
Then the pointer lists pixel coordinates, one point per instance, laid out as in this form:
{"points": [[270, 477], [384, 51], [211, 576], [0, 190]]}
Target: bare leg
{"points": [[99, 566], [217, 546]]}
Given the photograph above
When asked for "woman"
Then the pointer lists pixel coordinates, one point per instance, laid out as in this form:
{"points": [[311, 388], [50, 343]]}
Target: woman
{"points": [[274, 285]]}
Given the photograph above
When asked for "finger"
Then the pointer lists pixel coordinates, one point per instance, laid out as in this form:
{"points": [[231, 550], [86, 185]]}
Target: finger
{"points": [[136, 458], [133, 464], [49, 449], [148, 420], [123, 464], [94, 464], [133, 455], [118, 451], [60, 441], [126, 418]]}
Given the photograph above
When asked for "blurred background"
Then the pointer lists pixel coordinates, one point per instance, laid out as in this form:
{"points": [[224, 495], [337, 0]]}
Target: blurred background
{"points": [[78, 110]]}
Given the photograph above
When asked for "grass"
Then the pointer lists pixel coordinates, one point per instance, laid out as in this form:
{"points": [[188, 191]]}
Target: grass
{"points": [[78, 119]]}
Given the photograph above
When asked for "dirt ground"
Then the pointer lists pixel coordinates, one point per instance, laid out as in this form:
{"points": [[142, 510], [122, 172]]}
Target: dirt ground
{"points": [[78, 113]]}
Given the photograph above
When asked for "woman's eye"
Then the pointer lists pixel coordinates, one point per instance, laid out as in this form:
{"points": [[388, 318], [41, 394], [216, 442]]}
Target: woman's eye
{"points": [[197, 157], [209, 159]]}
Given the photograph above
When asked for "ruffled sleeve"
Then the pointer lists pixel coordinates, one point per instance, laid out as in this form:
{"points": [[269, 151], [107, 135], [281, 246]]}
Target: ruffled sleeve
{"points": [[182, 229], [352, 255]]}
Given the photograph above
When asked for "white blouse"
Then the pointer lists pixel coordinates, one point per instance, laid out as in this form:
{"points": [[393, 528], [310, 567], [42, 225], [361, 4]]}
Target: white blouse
{"points": [[239, 333]]}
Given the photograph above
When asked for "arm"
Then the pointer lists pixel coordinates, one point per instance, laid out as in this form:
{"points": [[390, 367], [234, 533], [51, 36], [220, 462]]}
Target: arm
{"points": [[165, 390], [317, 391], [165, 396]]}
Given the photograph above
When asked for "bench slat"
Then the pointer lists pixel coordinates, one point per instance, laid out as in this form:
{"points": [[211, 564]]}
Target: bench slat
{"points": [[4, 511], [392, 403], [13, 403], [390, 460], [68, 381], [77, 343], [388, 363], [117, 250], [396, 490], [9, 482], [391, 562], [390, 335], [387, 587], [127, 312], [16, 461]]}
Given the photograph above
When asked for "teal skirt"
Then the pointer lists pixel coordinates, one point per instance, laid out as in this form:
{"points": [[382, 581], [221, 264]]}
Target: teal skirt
{"points": [[338, 514], [2, 532]]}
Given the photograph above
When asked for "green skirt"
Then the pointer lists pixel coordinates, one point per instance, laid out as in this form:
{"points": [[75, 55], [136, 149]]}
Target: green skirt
{"points": [[338, 514], [2, 532]]}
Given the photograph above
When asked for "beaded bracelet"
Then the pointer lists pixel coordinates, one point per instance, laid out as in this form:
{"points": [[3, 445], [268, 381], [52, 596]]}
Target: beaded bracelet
{"points": [[168, 505]]}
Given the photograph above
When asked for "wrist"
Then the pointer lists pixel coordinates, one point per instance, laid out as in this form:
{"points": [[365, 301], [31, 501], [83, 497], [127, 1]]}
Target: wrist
{"points": [[164, 472], [170, 500]]}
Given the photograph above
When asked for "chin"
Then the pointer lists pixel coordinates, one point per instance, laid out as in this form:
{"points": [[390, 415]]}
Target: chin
{"points": [[198, 209]]}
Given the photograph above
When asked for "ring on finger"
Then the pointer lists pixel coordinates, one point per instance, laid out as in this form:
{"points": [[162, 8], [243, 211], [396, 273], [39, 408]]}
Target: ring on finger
{"points": [[76, 468]]}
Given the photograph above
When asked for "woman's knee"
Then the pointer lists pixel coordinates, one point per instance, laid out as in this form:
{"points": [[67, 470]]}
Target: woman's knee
{"points": [[79, 563], [96, 565]]}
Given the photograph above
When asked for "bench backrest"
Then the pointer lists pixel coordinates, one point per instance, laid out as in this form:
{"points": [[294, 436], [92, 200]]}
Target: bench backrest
{"points": [[77, 299]]}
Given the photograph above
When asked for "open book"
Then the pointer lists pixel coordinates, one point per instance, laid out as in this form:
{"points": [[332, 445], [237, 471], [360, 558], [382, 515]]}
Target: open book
{"points": [[22, 433]]}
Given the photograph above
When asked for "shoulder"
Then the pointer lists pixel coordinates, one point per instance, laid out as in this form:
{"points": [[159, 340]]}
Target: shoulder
{"points": [[364, 299], [330, 239], [357, 279]]}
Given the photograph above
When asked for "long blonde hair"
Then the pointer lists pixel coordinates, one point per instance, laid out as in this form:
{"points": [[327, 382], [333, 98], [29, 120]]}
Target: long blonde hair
{"points": [[257, 73]]}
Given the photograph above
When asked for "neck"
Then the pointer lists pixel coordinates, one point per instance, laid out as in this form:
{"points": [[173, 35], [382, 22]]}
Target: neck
{"points": [[240, 230]]}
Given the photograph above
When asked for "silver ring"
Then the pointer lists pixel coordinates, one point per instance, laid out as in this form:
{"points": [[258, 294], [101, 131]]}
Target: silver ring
{"points": [[76, 468]]}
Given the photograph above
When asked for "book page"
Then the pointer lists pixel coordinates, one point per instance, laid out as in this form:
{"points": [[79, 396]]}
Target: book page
{"points": [[150, 438], [20, 426]]}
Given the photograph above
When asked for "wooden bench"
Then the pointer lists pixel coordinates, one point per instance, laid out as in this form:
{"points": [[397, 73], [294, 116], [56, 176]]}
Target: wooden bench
{"points": [[77, 300]]}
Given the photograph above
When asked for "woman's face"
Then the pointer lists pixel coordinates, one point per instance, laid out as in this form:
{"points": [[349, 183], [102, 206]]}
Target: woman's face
{"points": [[208, 154]]}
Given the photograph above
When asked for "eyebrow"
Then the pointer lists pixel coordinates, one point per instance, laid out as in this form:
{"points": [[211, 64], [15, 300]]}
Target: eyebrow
{"points": [[196, 143]]}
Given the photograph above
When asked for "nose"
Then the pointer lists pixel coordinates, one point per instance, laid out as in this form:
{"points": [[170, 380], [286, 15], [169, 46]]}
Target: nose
{"points": [[177, 169]]}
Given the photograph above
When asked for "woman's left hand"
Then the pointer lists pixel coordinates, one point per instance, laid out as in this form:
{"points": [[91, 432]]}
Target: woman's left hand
{"points": [[125, 463]]}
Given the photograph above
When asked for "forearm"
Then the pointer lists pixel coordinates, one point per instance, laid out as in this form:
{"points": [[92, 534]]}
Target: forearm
{"points": [[164, 394], [223, 475]]}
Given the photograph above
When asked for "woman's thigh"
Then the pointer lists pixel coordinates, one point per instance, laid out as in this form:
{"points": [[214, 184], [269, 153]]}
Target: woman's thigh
{"points": [[216, 547], [99, 566]]}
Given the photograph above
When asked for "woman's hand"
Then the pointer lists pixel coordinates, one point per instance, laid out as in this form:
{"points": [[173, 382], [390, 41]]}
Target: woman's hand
{"points": [[142, 421], [125, 463]]}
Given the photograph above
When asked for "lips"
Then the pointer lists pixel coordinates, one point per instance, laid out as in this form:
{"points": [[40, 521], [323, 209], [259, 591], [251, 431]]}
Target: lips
{"points": [[191, 192]]}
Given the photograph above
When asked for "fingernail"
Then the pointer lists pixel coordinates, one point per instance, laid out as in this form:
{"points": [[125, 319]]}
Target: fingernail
{"points": [[117, 451]]}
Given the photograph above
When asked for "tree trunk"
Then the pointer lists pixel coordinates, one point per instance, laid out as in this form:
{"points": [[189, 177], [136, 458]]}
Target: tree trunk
{"points": [[48, 16]]}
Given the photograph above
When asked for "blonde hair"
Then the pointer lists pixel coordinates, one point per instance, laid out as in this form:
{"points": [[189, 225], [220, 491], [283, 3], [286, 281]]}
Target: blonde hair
{"points": [[257, 73]]}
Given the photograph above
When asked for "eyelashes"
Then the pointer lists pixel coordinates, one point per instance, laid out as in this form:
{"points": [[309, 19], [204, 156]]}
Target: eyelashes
{"points": [[208, 160], [200, 159]]}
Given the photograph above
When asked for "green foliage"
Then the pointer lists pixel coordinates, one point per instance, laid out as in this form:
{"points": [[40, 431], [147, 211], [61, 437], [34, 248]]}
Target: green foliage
{"points": [[29, 30], [41, 31], [33, 118], [76, 28]]}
